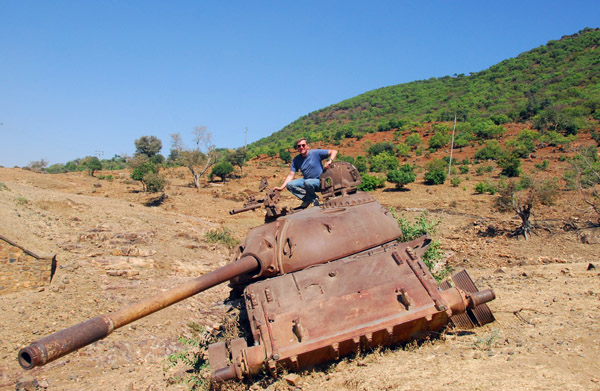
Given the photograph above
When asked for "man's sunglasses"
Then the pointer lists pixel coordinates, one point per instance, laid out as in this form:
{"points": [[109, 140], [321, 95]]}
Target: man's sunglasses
{"points": [[300, 146]]}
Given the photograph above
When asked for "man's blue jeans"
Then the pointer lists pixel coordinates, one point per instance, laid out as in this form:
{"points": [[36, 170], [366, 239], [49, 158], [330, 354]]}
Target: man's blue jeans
{"points": [[304, 188]]}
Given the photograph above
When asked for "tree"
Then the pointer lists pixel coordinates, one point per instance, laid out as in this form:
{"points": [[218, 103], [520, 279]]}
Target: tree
{"points": [[148, 146], [92, 164], [238, 158], [141, 167], [521, 201], [199, 158], [222, 170], [38, 165], [404, 175], [584, 176], [285, 155]]}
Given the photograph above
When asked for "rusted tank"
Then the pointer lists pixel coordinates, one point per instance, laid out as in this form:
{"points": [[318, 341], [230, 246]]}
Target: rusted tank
{"points": [[318, 284]]}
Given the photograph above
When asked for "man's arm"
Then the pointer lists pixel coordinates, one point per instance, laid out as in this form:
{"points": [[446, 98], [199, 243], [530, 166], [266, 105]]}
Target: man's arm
{"points": [[332, 155], [288, 178]]}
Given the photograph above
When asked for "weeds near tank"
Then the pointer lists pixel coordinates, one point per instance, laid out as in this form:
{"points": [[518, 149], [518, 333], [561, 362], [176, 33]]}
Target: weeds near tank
{"points": [[487, 342], [190, 365], [223, 236], [434, 255]]}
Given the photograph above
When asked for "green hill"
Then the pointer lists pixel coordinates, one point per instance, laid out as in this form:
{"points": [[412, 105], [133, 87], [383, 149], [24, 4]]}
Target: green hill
{"points": [[555, 88]]}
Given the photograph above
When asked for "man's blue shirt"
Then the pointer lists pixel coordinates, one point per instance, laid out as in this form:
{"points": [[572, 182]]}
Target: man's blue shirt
{"points": [[311, 164]]}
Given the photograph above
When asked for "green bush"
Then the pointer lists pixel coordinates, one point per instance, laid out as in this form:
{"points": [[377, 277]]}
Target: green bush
{"points": [[422, 226], [491, 151], [222, 170], [383, 162], [370, 183], [463, 169], [486, 187], [378, 148], [154, 182], [485, 169], [455, 181], [402, 176], [510, 165], [413, 140], [436, 172], [223, 236]]}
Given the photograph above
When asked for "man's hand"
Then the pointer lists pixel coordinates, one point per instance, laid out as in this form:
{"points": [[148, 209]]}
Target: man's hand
{"points": [[327, 163], [279, 188]]}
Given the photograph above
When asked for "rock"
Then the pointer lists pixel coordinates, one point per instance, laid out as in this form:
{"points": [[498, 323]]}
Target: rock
{"points": [[26, 383], [293, 379], [591, 266]]}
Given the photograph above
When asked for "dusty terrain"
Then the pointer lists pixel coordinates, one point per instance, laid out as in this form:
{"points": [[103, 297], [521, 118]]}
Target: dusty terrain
{"points": [[113, 250]]}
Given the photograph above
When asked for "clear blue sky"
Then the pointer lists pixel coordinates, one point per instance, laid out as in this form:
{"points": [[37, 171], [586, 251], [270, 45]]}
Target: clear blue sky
{"points": [[80, 78]]}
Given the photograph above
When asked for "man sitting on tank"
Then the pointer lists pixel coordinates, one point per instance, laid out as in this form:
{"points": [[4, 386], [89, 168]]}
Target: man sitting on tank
{"points": [[309, 163]]}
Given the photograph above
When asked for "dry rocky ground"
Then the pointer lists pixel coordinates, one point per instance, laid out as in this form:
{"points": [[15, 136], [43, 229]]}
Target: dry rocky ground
{"points": [[113, 250]]}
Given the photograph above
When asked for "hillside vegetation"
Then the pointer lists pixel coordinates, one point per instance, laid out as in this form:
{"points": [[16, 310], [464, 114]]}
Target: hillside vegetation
{"points": [[553, 88]]}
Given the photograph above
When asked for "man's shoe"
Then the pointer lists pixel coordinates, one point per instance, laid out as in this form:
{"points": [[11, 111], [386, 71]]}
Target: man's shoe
{"points": [[305, 204]]}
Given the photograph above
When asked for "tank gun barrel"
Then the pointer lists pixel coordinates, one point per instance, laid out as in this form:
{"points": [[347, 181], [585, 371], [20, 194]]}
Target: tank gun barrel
{"points": [[68, 340]]}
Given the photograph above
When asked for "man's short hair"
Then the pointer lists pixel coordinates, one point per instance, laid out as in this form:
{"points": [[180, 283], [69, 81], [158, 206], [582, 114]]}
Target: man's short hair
{"points": [[300, 139]]}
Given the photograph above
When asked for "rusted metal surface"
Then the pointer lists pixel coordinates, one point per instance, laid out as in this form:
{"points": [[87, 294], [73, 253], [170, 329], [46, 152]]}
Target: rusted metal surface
{"points": [[321, 313], [479, 314], [65, 341]]}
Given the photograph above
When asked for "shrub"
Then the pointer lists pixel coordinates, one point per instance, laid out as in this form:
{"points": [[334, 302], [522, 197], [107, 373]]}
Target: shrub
{"points": [[154, 182], [439, 140], [463, 169], [403, 150], [384, 162], [402, 176], [222, 170], [436, 172], [413, 140], [455, 181], [223, 236], [484, 169], [361, 164], [421, 226], [382, 147], [491, 151], [140, 171], [370, 183], [543, 166], [510, 164], [486, 187]]}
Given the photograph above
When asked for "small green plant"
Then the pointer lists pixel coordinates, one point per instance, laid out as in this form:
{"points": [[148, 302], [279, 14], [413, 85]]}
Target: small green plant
{"points": [[543, 166], [486, 187], [463, 169], [434, 254], [22, 201], [455, 181], [484, 170], [3, 186], [223, 236], [487, 342]]}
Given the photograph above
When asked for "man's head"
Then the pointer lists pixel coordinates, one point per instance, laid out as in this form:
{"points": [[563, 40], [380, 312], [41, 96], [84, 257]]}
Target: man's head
{"points": [[302, 146]]}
